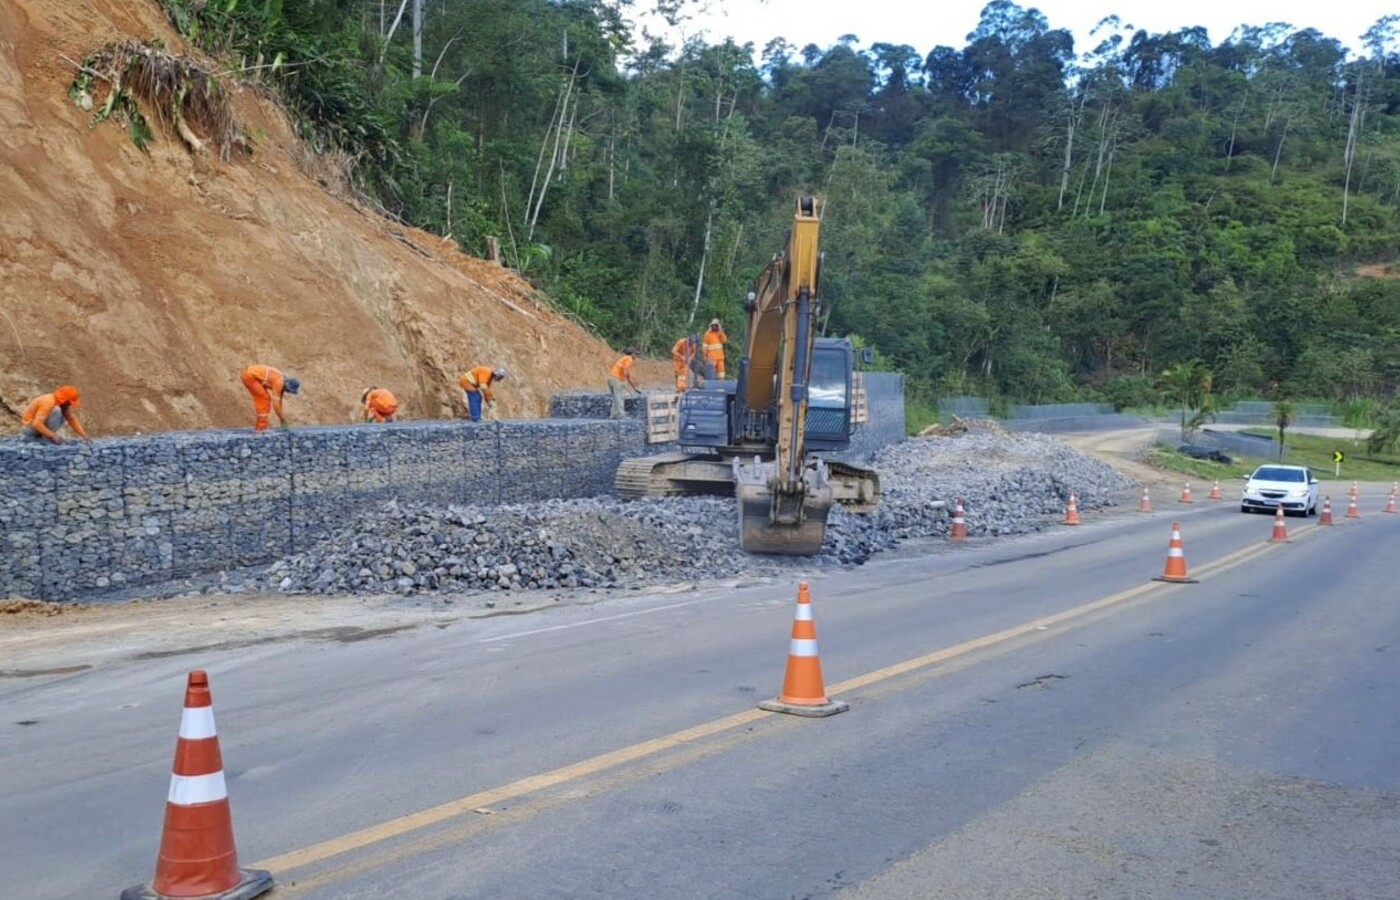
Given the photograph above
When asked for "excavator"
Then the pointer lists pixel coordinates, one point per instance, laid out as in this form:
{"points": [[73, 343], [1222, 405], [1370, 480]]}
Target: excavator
{"points": [[764, 436]]}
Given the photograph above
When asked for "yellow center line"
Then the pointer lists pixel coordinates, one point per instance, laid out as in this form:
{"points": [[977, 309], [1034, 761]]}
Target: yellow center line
{"points": [[402, 825]]}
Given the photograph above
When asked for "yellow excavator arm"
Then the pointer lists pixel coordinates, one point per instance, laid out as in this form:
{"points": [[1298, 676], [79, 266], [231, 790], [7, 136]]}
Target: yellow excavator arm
{"points": [[783, 505]]}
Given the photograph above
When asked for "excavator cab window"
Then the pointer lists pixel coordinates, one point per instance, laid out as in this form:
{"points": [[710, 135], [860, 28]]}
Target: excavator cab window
{"points": [[827, 387]]}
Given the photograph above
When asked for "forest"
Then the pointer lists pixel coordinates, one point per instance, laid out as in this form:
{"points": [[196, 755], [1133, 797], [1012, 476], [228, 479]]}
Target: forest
{"points": [[1019, 217]]}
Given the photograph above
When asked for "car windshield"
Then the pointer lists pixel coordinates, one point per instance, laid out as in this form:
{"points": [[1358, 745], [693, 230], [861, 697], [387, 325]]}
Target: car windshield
{"points": [[1278, 473]]}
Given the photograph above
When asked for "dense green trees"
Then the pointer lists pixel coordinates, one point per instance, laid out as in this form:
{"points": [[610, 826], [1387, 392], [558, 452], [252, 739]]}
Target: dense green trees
{"points": [[1012, 216]]}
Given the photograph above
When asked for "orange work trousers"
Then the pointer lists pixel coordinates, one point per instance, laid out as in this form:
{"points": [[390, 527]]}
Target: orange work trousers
{"points": [[716, 359], [682, 369], [262, 400]]}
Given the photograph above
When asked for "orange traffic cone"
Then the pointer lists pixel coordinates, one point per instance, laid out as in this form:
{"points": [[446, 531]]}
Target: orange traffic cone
{"points": [[1280, 535], [1352, 512], [1326, 518], [804, 694], [1354, 491], [1071, 511], [1186, 493], [1215, 492], [1390, 504], [1175, 570], [1146, 504], [959, 532], [197, 854]]}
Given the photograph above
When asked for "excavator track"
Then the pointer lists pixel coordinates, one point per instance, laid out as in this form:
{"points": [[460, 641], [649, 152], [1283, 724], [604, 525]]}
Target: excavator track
{"points": [[672, 475]]}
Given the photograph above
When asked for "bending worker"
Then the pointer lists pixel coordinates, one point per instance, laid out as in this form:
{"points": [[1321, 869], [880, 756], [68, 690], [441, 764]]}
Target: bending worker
{"points": [[379, 405], [267, 385], [622, 374], [682, 358], [476, 386], [46, 414], [714, 340]]}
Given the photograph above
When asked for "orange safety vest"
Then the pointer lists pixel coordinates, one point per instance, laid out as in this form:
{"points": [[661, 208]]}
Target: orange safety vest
{"points": [[714, 343], [622, 369], [271, 378], [382, 402]]}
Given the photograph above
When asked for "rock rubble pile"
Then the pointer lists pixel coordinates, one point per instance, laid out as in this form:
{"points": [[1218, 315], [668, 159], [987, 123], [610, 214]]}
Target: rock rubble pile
{"points": [[1009, 484]]}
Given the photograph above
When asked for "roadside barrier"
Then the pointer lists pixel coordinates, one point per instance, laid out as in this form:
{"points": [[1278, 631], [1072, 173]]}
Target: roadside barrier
{"points": [[1175, 570], [197, 857], [804, 692]]}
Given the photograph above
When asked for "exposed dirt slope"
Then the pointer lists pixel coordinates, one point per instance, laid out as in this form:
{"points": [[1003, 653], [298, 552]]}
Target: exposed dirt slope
{"points": [[151, 280]]}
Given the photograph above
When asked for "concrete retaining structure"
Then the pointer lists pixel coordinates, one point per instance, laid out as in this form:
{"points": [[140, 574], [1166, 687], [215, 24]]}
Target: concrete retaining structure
{"points": [[119, 514]]}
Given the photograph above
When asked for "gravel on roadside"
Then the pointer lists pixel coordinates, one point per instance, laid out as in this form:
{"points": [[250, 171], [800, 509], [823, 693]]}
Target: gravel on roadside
{"points": [[1009, 483]]}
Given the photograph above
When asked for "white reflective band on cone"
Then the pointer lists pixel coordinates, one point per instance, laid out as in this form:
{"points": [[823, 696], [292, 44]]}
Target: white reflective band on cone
{"points": [[803, 647], [804, 613], [197, 722], [1174, 551], [187, 790]]}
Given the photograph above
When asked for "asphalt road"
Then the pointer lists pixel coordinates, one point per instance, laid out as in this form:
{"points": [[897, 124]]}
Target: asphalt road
{"points": [[1029, 718]]}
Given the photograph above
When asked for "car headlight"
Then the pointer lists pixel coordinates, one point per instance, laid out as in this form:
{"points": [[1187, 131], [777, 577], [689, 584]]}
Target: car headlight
{"points": [[1298, 492]]}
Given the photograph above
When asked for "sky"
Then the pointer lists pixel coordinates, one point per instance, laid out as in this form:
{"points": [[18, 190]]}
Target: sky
{"points": [[925, 24]]}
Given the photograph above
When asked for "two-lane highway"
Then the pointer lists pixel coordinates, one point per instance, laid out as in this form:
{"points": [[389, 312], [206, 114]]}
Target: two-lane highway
{"points": [[1029, 718]]}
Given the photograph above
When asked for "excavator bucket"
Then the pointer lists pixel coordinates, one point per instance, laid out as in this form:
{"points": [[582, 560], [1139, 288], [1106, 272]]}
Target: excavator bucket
{"points": [[770, 522]]}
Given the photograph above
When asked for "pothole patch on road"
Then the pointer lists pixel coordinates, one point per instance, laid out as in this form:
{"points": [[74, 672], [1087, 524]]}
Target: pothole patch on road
{"points": [[1040, 683]]}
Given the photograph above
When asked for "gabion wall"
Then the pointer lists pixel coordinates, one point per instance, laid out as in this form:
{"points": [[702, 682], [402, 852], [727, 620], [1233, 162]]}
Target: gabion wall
{"points": [[107, 518], [87, 519]]}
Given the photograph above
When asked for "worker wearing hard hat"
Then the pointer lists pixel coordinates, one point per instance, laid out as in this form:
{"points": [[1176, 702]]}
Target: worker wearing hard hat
{"points": [[378, 405], [267, 386], [46, 414], [621, 375], [683, 358], [476, 387], [713, 340]]}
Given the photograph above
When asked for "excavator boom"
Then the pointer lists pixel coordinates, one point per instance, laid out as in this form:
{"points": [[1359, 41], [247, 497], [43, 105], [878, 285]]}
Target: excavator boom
{"points": [[784, 504]]}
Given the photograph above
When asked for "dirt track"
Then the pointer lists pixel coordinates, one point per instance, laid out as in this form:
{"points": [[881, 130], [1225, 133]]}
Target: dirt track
{"points": [[1121, 450]]}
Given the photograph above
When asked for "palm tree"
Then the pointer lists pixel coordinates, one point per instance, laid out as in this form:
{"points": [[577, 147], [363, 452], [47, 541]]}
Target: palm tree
{"points": [[1188, 384]]}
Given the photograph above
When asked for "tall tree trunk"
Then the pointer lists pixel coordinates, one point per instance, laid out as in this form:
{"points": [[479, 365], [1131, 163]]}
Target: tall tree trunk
{"points": [[1278, 151], [1353, 135], [1234, 129], [417, 38]]}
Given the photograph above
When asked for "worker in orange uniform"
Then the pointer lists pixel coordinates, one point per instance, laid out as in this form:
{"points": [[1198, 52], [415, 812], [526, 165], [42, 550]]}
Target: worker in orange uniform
{"points": [[379, 405], [683, 358], [268, 385], [476, 386], [622, 375], [46, 414], [714, 340]]}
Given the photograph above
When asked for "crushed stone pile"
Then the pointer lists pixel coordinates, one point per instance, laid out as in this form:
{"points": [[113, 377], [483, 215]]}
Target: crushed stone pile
{"points": [[1009, 484]]}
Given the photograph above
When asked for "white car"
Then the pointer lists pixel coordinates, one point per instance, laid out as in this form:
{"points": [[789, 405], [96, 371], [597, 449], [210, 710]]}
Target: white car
{"points": [[1292, 487]]}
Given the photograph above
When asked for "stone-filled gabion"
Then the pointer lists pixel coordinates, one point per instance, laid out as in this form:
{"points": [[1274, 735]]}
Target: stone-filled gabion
{"points": [[1010, 483]]}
